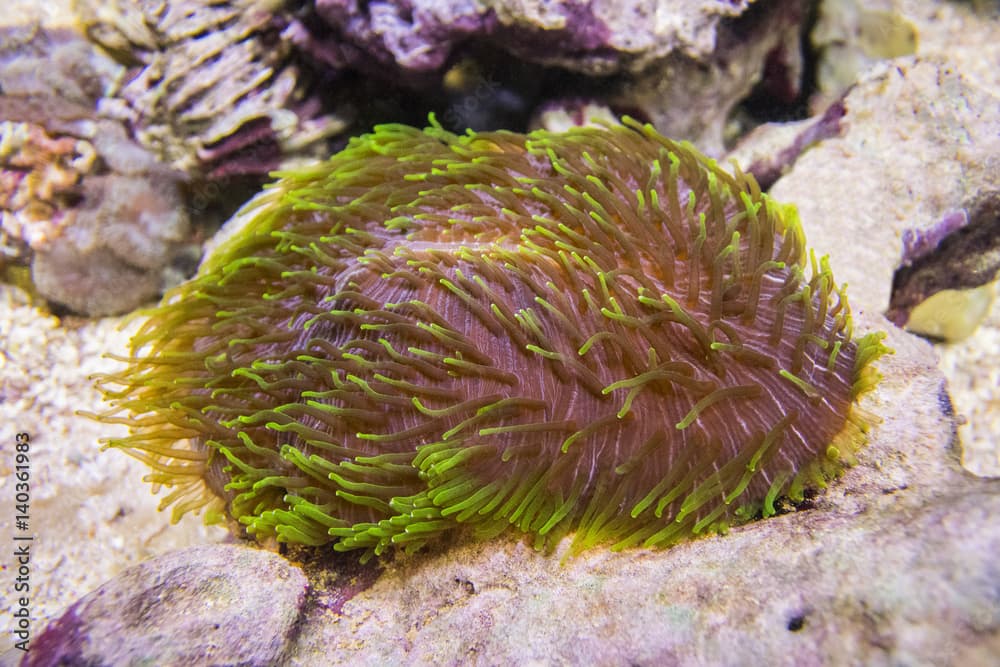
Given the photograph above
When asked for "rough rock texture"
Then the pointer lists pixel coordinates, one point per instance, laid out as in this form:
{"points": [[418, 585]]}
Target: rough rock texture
{"points": [[770, 150], [218, 605], [972, 367], [91, 513], [51, 14], [709, 54], [852, 35], [592, 36], [96, 215], [216, 92], [921, 145], [693, 97]]}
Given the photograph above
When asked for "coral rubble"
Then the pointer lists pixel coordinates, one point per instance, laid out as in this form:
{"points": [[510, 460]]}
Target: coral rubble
{"points": [[214, 90], [96, 216]]}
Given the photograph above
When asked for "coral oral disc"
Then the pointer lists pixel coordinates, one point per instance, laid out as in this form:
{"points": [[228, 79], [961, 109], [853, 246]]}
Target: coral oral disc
{"points": [[599, 331]]}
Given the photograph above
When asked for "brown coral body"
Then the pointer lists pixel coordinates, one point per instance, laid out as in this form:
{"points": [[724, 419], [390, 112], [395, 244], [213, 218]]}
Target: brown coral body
{"points": [[599, 331]]}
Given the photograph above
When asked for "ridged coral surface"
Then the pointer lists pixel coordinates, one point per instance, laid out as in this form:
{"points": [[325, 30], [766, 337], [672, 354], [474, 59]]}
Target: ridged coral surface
{"points": [[599, 331]]}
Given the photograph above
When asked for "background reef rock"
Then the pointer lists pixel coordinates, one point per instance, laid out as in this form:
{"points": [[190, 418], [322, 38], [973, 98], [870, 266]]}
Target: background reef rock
{"points": [[972, 367], [918, 142], [99, 218], [693, 96], [213, 90], [592, 36], [850, 36], [640, 56]]}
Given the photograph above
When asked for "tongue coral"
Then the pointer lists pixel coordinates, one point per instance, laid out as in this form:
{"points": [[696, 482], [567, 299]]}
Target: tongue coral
{"points": [[599, 331]]}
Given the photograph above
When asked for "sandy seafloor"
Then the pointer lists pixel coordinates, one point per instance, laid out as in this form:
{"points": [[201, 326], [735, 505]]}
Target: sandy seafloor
{"points": [[91, 515]]}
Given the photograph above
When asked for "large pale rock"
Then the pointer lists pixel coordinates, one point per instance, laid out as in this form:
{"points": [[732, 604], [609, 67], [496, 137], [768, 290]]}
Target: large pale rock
{"points": [[209, 605], [919, 142], [651, 54], [890, 565], [906, 174], [919, 149]]}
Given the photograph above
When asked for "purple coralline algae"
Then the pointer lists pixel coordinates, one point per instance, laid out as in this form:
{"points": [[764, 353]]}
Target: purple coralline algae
{"points": [[590, 36], [711, 54]]}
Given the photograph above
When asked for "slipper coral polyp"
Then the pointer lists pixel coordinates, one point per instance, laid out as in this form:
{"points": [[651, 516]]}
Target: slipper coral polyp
{"points": [[599, 331]]}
